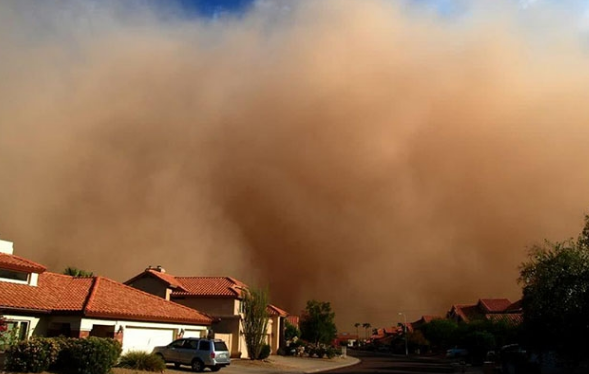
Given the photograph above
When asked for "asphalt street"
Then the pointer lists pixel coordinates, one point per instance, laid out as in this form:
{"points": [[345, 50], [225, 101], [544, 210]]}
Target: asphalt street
{"points": [[373, 362]]}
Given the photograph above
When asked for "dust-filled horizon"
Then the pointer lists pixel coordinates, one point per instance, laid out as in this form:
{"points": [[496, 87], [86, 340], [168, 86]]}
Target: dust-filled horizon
{"points": [[379, 155]]}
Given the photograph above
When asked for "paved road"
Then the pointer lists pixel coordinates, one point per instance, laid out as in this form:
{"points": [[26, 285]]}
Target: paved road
{"points": [[373, 362]]}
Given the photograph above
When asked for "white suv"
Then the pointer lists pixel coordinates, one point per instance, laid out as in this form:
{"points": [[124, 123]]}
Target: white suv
{"points": [[196, 352]]}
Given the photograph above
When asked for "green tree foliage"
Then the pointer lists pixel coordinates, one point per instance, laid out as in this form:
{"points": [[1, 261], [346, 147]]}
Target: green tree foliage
{"points": [[75, 272], [441, 333], [317, 323], [555, 300], [255, 320], [291, 331]]}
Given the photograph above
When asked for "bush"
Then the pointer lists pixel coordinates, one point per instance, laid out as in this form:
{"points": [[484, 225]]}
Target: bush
{"points": [[281, 352], [142, 361], [264, 352], [32, 356], [89, 356], [331, 352]]}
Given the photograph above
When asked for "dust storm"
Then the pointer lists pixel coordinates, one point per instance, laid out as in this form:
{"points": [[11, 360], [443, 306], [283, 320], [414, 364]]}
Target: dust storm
{"points": [[375, 154]]}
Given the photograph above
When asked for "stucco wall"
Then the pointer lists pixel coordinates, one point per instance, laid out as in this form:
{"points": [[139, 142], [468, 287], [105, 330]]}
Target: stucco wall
{"points": [[150, 285], [216, 307]]}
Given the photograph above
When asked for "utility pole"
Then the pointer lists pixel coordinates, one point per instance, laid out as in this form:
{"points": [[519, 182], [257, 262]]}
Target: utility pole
{"points": [[405, 329]]}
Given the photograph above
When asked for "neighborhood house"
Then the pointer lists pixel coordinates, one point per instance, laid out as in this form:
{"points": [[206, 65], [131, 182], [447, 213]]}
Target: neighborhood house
{"points": [[219, 297], [42, 303]]}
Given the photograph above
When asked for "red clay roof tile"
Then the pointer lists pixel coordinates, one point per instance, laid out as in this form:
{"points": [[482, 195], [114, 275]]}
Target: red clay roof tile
{"points": [[96, 297], [16, 263], [273, 310], [210, 286], [110, 298], [495, 305]]}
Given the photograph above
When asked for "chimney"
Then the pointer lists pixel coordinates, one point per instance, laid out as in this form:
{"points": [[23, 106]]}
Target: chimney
{"points": [[6, 247], [160, 269]]}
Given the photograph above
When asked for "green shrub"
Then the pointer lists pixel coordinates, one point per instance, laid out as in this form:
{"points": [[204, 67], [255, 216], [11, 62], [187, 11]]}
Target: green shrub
{"points": [[264, 352], [320, 352], [142, 361], [331, 352], [32, 356], [89, 356]]}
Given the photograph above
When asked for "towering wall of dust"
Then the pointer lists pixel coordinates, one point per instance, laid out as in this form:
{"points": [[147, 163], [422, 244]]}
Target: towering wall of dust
{"points": [[368, 153]]}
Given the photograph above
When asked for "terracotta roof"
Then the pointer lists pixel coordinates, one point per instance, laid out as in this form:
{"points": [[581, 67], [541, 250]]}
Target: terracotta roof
{"points": [[54, 292], [495, 305], [515, 318], [273, 310], [16, 263], [492, 309], [210, 286], [515, 307], [169, 279], [96, 297], [346, 335], [113, 299], [293, 320]]}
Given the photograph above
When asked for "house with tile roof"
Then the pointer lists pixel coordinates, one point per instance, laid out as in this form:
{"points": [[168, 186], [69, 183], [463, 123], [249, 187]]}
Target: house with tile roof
{"points": [[42, 303], [220, 297], [487, 309]]}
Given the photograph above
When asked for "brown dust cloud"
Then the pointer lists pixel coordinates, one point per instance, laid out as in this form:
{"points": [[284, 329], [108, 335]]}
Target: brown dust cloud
{"points": [[375, 154]]}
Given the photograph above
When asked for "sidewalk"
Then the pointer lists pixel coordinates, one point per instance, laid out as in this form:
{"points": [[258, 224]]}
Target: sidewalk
{"points": [[288, 365]]}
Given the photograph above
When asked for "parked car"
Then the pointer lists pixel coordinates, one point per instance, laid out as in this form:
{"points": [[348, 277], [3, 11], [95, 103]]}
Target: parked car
{"points": [[196, 352], [456, 353]]}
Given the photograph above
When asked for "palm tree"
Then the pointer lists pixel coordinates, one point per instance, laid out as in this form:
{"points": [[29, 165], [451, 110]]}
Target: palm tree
{"points": [[366, 326], [356, 325], [78, 273]]}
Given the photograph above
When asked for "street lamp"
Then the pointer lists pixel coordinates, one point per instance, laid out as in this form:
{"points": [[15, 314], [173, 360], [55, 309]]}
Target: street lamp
{"points": [[405, 329]]}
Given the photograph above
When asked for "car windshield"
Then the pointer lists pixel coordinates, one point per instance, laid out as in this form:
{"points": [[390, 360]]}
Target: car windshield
{"points": [[220, 346]]}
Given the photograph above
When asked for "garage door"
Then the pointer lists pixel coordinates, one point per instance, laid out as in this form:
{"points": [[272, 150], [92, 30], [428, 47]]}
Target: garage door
{"points": [[138, 339], [192, 334]]}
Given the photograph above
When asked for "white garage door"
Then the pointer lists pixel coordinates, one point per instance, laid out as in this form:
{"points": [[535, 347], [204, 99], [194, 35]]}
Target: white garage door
{"points": [[193, 334], [141, 339]]}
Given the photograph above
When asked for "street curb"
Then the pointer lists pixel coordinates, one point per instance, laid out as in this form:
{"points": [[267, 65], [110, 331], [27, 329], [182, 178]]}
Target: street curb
{"points": [[347, 364]]}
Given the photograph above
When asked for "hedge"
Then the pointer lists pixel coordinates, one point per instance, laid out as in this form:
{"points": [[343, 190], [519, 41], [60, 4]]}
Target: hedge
{"points": [[64, 355]]}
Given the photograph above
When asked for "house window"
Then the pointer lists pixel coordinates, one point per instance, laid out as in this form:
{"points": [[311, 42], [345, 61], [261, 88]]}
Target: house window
{"points": [[14, 275], [21, 327]]}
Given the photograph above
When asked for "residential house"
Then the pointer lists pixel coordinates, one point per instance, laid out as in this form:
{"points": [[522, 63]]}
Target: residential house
{"points": [[276, 326], [487, 309], [41, 303], [349, 339], [220, 297], [417, 325]]}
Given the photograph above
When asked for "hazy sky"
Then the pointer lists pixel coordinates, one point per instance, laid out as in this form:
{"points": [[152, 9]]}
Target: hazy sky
{"points": [[385, 156]]}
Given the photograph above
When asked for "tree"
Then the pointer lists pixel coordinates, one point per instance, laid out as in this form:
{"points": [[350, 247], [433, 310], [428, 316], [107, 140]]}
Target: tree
{"points": [[317, 323], [78, 273], [441, 333], [555, 300], [255, 320], [291, 331], [356, 325], [366, 326]]}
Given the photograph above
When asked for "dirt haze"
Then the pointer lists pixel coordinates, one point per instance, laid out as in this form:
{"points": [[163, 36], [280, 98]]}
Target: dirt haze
{"points": [[373, 154]]}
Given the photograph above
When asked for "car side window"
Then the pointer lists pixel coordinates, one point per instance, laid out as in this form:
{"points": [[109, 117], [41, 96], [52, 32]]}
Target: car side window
{"points": [[205, 345], [177, 344], [192, 344]]}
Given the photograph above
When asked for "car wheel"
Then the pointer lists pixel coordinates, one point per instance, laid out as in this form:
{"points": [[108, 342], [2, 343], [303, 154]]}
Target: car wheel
{"points": [[161, 356], [215, 368], [197, 365]]}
